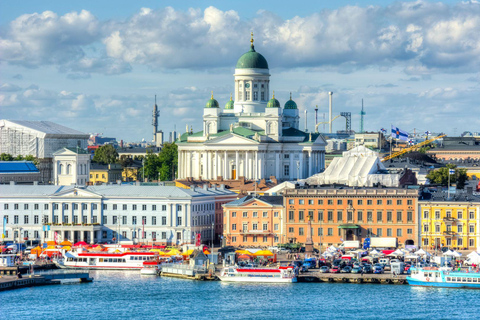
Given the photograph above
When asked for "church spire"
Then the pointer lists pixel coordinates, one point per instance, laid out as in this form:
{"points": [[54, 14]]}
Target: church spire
{"points": [[251, 41]]}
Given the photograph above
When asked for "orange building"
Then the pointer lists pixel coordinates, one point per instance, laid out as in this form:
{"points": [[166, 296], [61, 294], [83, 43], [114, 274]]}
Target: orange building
{"points": [[251, 221], [346, 214]]}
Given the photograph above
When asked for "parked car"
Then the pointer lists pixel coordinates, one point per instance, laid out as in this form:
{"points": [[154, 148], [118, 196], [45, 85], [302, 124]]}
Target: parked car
{"points": [[357, 269], [303, 268], [367, 268], [324, 269], [335, 269], [377, 269], [346, 269]]}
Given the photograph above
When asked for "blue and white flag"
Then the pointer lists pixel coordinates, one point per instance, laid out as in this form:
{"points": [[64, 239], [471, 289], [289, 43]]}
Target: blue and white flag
{"points": [[383, 130], [451, 171], [399, 134], [427, 133]]}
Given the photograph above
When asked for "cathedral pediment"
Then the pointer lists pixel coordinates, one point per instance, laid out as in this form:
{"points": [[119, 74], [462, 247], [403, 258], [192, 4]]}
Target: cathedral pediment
{"points": [[77, 193], [231, 139]]}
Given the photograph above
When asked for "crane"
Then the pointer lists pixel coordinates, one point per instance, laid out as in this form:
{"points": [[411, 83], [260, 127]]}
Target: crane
{"points": [[418, 145], [325, 122]]}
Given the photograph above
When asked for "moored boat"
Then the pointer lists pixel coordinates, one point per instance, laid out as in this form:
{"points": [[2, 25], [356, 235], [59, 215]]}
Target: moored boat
{"points": [[443, 278], [150, 268], [252, 274], [109, 261]]}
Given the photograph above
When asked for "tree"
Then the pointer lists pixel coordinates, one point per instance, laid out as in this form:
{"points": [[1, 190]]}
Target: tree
{"points": [[151, 165], [440, 176], [169, 161], [105, 155], [6, 157], [9, 157]]}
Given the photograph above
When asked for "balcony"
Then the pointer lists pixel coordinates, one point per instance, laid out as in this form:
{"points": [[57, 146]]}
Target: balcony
{"points": [[449, 220], [263, 232], [449, 233]]}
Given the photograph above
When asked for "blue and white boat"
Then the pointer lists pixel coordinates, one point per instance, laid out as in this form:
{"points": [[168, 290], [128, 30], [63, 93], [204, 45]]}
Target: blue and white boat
{"points": [[443, 278]]}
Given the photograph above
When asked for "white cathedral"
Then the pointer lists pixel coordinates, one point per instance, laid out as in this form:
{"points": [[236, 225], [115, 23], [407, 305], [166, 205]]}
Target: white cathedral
{"points": [[252, 137]]}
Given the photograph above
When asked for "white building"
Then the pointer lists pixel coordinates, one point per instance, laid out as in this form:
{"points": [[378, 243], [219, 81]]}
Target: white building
{"points": [[71, 167], [252, 136], [169, 215]]}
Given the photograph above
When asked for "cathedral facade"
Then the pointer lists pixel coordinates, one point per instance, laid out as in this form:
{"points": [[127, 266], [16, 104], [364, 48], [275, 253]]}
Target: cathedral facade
{"points": [[252, 136]]}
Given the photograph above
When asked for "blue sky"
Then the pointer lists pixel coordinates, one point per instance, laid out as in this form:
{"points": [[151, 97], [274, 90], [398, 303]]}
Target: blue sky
{"points": [[96, 65]]}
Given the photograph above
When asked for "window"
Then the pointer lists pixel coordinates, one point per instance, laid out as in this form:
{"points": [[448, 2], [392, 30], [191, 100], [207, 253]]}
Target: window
{"points": [[25, 206], [245, 238], [164, 207], [339, 202], [350, 215], [471, 228], [409, 216], [15, 219], [114, 220], [360, 202], [265, 214], [399, 202], [460, 242], [164, 235], [350, 202], [45, 206], [425, 214], [360, 216], [369, 232], [300, 232], [460, 228], [144, 207], [379, 216], [164, 221], [286, 156], [320, 215], [290, 229], [36, 234], [265, 226], [399, 216], [275, 227], [389, 232], [409, 231], [425, 242], [255, 214], [265, 239], [301, 201], [330, 231], [330, 201], [301, 216], [245, 214], [179, 221], [369, 202], [291, 201], [124, 207], [425, 228], [369, 216], [275, 214], [339, 215], [94, 219], [330, 216], [247, 97], [154, 207], [35, 219], [471, 242], [134, 207], [134, 220], [310, 201], [379, 232], [25, 219], [459, 214], [291, 215], [389, 202], [399, 232], [124, 220], [320, 231], [55, 206], [437, 215], [409, 202], [234, 214], [234, 226], [15, 206], [255, 238], [5, 206], [255, 226], [389, 216], [234, 239], [379, 202]]}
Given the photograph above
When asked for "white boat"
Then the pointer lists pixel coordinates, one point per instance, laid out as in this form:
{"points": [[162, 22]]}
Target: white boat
{"points": [[150, 268], [443, 278], [252, 274], [109, 261]]}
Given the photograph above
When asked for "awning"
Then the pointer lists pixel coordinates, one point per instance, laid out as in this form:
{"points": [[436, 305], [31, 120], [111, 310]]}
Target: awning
{"points": [[349, 226]]}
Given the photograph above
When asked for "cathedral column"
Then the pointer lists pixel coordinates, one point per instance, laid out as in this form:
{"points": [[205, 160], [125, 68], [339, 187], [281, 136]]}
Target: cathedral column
{"points": [[204, 173], [310, 163], [198, 165], [216, 171], [236, 165], [301, 165], [277, 165], [260, 166], [190, 163], [245, 164], [182, 169], [291, 167], [209, 165], [225, 165], [248, 157], [256, 166]]}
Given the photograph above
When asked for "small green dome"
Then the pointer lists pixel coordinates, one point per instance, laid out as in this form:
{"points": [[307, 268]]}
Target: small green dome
{"points": [[273, 103], [229, 105], [290, 104], [212, 103]]}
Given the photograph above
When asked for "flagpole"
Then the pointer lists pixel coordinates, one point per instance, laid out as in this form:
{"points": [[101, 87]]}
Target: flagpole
{"points": [[448, 190]]}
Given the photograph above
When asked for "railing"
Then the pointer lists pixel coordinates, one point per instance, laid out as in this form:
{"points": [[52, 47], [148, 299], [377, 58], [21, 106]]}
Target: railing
{"points": [[449, 233], [256, 231]]}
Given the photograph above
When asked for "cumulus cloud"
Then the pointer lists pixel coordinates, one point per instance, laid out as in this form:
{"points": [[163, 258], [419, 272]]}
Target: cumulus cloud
{"points": [[421, 35]]}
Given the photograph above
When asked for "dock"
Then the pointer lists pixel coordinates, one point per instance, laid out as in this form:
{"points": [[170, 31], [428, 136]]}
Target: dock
{"points": [[42, 279], [384, 278], [187, 272]]}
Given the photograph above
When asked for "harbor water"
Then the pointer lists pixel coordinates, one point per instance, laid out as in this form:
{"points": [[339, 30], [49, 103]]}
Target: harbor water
{"points": [[128, 295]]}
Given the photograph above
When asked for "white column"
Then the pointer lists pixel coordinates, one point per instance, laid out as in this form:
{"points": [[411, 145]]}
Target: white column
{"points": [[245, 165], [225, 165], [292, 167], [248, 159], [236, 165], [204, 175], [277, 165], [216, 171], [89, 212], [256, 165], [180, 165], [260, 166], [190, 163], [310, 164], [301, 165], [208, 163], [197, 173]]}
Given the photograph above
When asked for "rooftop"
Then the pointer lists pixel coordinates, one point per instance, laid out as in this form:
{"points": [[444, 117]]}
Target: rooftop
{"points": [[46, 127], [18, 167]]}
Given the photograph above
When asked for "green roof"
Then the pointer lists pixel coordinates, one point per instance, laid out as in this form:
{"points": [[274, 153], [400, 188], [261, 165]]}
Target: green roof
{"points": [[241, 131], [252, 60], [212, 103], [292, 132], [230, 104], [290, 104], [273, 103]]}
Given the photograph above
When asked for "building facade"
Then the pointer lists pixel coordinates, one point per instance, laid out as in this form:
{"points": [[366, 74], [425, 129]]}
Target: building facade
{"points": [[253, 222], [452, 223], [349, 214], [168, 215], [105, 173], [252, 137], [71, 166]]}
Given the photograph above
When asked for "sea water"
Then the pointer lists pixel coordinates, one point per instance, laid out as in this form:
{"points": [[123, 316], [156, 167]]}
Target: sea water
{"points": [[129, 295]]}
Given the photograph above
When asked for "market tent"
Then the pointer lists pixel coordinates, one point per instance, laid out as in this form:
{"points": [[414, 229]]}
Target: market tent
{"points": [[253, 250], [36, 250], [160, 252], [263, 253], [457, 254], [449, 253], [188, 253], [98, 248], [67, 248], [332, 248], [206, 252], [244, 256], [474, 257], [51, 243], [397, 253], [80, 243], [66, 243], [374, 252], [174, 252], [411, 256], [243, 252], [422, 252]]}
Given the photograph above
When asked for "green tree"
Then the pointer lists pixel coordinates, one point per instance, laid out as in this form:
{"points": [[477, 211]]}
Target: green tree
{"points": [[105, 155], [6, 157], [169, 161], [440, 176], [151, 165]]}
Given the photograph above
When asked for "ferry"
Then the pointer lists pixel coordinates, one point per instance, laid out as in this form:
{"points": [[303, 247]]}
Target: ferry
{"points": [[252, 274], [108, 261], [150, 268], [443, 278]]}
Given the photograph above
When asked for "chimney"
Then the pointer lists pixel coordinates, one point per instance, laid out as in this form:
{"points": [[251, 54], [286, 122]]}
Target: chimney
{"points": [[330, 112]]}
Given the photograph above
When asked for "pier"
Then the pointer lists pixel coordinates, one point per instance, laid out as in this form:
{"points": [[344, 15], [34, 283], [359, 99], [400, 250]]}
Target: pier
{"points": [[384, 278], [187, 272], [43, 279]]}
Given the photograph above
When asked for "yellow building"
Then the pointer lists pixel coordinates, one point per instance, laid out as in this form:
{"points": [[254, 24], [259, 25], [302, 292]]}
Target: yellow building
{"points": [[103, 173], [453, 223]]}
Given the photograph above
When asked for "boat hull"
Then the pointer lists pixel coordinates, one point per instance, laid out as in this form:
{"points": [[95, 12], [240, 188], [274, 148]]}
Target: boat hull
{"points": [[462, 285], [148, 272], [257, 279]]}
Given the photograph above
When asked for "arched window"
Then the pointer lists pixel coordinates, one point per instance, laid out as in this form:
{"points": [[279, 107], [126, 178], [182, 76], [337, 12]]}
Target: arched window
{"points": [[69, 167], [60, 169]]}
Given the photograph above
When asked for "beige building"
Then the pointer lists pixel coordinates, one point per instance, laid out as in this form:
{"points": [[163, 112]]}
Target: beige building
{"points": [[71, 166]]}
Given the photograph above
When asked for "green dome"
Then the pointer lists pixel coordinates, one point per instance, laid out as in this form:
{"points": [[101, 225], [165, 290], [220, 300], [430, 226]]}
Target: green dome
{"points": [[229, 105], [212, 103], [252, 60], [290, 104], [273, 103]]}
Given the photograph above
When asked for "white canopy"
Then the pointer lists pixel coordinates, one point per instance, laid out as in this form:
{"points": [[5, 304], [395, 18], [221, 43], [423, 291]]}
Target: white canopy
{"points": [[411, 256], [374, 252], [397, 252], [420, 252], [449, 253], [332, 249], [474, 257], [457, 254]]}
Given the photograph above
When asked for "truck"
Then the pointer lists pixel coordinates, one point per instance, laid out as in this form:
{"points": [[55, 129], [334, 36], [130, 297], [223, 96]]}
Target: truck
{"points": [[397, 267], [383, 242], [350, 245]]}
